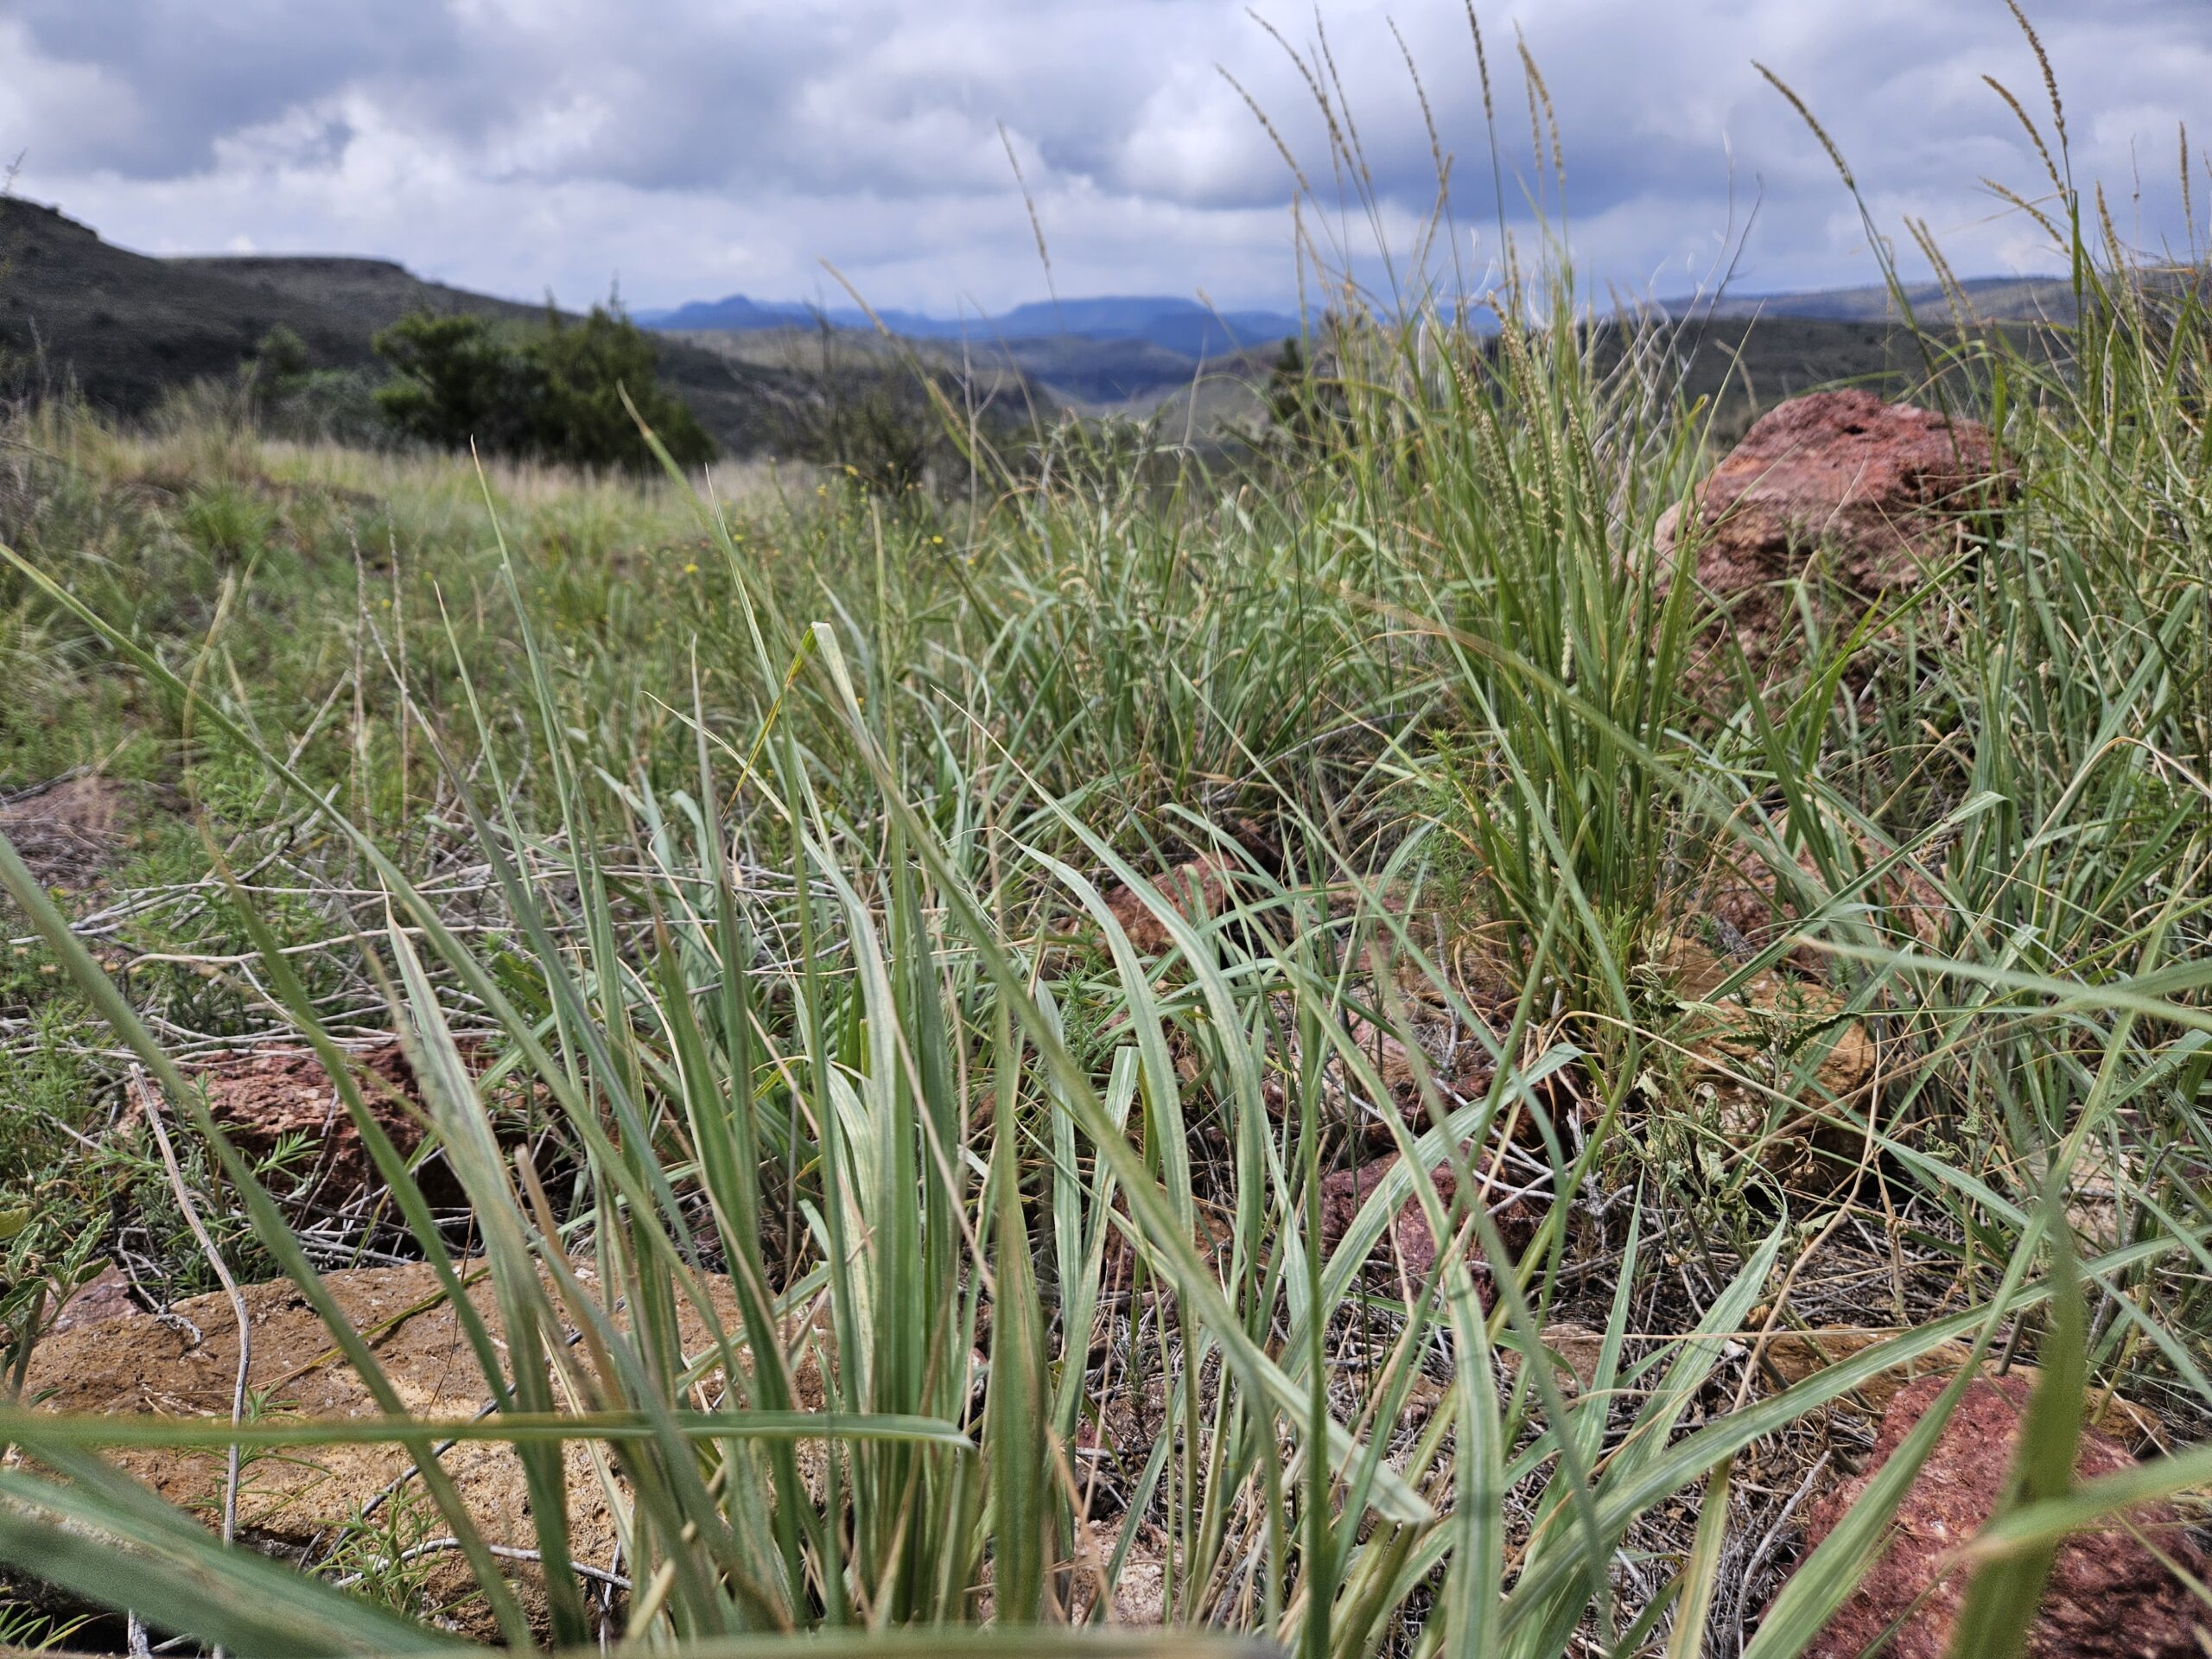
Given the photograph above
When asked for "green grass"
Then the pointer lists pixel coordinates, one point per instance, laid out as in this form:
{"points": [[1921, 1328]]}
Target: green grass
{"points": [[785, 817]]}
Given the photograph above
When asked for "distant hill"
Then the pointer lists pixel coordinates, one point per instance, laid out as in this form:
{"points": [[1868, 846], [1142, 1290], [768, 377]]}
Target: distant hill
{"points": [[123, 329], [376, 291], [1991, 299], [120, 329], [1134, 355]]}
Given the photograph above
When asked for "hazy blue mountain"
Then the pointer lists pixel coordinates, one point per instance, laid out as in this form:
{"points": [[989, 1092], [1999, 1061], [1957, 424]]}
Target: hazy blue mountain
{"points": [[1183, 326], [736, 314]]}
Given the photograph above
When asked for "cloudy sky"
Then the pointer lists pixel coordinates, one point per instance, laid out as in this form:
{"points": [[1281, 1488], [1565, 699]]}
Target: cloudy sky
{"points": [[697, 147]]}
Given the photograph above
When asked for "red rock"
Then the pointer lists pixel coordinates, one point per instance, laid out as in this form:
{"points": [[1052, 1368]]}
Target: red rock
{"points": [[261, 1097], [1393, 1066], [1198, 890], [1883, 488], [1407, 1243], [105, 1296], [2107, 1597]]}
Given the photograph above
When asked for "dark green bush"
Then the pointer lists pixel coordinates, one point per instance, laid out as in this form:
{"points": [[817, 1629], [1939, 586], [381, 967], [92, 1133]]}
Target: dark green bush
{"points": [[553, 393]]}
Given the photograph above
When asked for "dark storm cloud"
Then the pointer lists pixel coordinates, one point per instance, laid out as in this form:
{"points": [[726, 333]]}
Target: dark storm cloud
{"points": [[700, 146], [183, 75]]}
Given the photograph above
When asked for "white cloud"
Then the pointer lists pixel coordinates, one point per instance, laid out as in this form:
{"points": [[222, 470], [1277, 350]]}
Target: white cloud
{"points": [[516, 145]]}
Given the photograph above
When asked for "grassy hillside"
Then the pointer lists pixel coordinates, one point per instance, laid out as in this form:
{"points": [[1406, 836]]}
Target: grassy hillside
{"points": [[122, 329], [375, 293]]}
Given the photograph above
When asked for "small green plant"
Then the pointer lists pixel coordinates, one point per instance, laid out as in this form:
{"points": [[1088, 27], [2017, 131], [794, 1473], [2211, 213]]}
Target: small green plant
{"points": [[385, 1552], [228, 522], [32, 1630], [279, 362]]}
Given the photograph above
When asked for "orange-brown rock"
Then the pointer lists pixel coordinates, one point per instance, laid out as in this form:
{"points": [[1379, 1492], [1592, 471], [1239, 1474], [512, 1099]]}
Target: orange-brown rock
{"points": [[1881, 490], [2109, 1597], [1468, 1072], [308, 1499], [1744, 898], [263, 1096], [1779, 1059], [1793, 1356], [1198, 890]]}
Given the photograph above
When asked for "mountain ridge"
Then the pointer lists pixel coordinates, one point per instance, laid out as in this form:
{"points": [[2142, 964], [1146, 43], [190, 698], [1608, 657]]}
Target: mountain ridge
{"points": [[1990, 299], [80, 316], [1184, 326]]}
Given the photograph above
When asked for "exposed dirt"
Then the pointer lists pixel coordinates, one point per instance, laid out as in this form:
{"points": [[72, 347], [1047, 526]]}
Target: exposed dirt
{"points": [[69, 831], [2109, 1595]]}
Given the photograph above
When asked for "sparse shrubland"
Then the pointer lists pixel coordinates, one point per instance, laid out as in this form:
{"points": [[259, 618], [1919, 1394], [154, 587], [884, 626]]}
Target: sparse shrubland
{"points": [[756, 880]]}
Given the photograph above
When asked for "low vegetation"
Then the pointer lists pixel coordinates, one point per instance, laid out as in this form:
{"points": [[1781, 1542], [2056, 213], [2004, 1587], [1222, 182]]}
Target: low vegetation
{"points": [[768, 884]]}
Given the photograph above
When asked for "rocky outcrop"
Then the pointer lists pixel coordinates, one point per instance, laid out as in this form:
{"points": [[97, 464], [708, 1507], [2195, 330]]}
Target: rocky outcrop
{"points": [[266, 1098], [2108, 1596], [1882, 492], [270, 1098]]}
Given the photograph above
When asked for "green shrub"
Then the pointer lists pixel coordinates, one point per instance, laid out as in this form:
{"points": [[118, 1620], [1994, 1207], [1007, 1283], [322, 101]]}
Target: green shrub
{"points": [[555, 393], [455, 382], [280, 360], [576, 415]]}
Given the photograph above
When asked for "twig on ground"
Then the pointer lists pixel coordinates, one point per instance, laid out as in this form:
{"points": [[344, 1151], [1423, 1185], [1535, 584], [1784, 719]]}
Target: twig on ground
{"points": [[505, 1552], [150, 1098]]}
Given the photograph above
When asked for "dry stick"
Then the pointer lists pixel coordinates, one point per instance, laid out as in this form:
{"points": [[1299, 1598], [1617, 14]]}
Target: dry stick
{"points": [[382, 1327], [508, 1552], [150, 1098]]}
